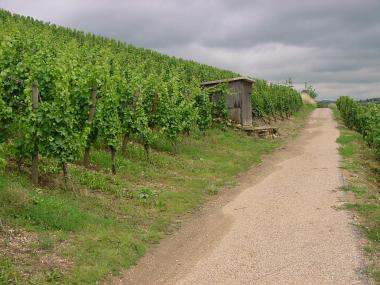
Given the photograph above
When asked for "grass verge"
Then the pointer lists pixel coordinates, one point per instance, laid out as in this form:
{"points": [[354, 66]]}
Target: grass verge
{"points": [[361, 169], [52, 236]]}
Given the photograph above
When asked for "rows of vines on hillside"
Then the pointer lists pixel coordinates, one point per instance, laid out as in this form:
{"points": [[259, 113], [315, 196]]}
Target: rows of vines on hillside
{"points": [[92, 89], [364, 119], [89, 89], [274, 101]]}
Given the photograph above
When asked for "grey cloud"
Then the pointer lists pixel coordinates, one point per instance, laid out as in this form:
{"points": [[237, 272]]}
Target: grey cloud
{"points": [[331, 43]]}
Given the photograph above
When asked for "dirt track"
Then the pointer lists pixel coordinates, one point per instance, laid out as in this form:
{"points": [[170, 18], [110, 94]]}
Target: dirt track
{"points": [[279, 226]]}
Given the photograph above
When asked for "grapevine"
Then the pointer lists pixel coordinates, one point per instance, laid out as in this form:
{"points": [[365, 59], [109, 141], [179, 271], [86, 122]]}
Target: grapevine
{"points": [[363, 119], [97, 90]]}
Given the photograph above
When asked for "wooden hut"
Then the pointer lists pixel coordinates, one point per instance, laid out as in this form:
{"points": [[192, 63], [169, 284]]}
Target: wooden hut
{"points": [[238, 101]]}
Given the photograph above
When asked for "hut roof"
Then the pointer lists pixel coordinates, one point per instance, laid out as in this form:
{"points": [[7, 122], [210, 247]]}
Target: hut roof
{"points": [[226, 80]]}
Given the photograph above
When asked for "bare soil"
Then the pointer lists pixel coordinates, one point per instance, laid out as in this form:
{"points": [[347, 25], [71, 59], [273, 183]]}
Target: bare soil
{"points": [[279, 225]]}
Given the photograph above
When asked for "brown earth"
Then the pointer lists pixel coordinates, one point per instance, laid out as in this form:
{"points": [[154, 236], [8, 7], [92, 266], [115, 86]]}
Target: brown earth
{"points": [[280, 225]]}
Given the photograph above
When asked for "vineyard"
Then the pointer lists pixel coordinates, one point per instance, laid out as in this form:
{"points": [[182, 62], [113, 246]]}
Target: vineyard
{"points": [[364, 119], [62, 91], [273, 101], [103, 145]]}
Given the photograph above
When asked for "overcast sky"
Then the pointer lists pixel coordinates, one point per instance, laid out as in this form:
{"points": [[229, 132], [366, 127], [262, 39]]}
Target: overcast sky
{"points": [[332, 44]]}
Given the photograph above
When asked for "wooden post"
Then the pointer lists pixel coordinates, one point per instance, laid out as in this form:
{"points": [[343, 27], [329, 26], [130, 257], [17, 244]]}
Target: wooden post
{"points": [[86, 156], [66, 177], [125, 144], [93, 105], [34, 170], [113, 157], [146, 148], [91, 115]]}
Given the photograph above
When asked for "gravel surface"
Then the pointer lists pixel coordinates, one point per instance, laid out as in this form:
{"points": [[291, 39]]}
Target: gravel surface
{"points": [[279, 226]]}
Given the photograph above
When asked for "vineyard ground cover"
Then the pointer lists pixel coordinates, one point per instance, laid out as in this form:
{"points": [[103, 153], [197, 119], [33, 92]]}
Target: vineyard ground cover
{"points": [[52, 236], [361, 167]]}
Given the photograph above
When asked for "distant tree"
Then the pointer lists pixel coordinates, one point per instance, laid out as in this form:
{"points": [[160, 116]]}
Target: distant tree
{"points": [[289, 82], [309, 89]]}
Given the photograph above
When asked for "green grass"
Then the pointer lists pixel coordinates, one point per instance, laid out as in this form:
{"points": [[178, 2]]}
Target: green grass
{"points": [[346, 140], [358, 190], [363, 180], [108, 221], [36, 209], [8, 275]]}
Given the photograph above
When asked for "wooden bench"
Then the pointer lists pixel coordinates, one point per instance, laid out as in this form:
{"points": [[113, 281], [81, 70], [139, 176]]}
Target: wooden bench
{"points": [[262, 131]]}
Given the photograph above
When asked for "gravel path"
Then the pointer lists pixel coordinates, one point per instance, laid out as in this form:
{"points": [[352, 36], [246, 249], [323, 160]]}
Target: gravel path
{"points": [[280, 226]]}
